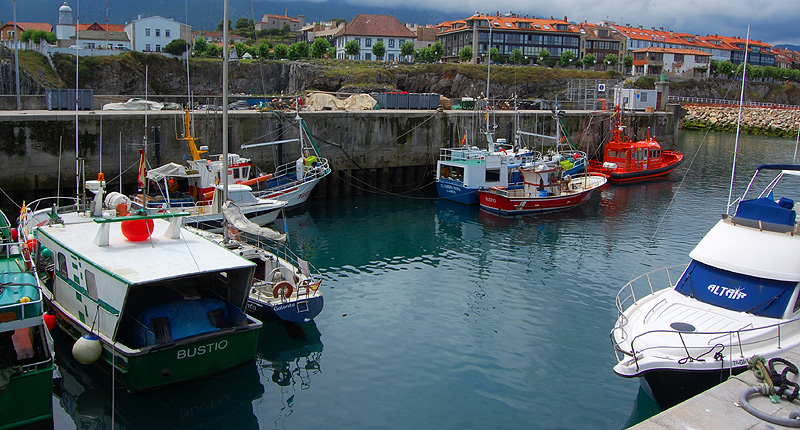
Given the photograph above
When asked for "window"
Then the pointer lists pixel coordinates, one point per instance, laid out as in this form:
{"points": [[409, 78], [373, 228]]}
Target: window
{"points": [[158, 32], [91, 284], [367, 56], [391, 43], [391, 57], [166, 33], [158, 48], [146, 31], [367, 41], [62, 265], [147, 47]]}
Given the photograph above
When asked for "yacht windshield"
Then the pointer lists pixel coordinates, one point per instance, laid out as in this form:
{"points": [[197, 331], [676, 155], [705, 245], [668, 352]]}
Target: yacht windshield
{"points": [[734, 291]]}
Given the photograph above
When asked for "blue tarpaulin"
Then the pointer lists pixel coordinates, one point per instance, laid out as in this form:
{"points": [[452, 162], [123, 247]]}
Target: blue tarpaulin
{"points": [[767, 210]]}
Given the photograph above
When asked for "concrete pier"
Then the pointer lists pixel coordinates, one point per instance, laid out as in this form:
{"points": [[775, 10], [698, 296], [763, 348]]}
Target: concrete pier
{"points": [[719, 408]]}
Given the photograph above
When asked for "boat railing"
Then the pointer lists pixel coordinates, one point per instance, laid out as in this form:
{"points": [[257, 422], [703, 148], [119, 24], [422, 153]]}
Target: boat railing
{"points": [[282, 251], [464, 153], [740, 344], [15, 314], [640, 287]]}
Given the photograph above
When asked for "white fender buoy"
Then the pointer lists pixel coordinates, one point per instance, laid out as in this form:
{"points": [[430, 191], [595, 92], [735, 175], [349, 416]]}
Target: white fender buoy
{"points": [[87, 349]]}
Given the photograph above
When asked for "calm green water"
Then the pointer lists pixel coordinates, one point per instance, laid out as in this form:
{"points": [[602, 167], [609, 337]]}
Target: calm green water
{"points": [[442, 316]]}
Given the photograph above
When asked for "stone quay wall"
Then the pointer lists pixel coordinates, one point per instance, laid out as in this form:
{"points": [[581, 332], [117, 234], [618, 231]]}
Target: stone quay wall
{"points": [[767, 121], [380, 151]]}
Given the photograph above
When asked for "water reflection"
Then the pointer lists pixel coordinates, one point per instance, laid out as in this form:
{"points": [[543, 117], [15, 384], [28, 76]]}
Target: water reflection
{"points": [[289, 355], [85, 394]]}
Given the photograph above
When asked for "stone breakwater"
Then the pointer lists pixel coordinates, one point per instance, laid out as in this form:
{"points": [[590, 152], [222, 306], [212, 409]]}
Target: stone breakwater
{"points": [[755, 120]]}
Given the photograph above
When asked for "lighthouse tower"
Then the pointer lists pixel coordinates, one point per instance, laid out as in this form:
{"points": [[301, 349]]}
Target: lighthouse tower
{"points": [[65, 28]]}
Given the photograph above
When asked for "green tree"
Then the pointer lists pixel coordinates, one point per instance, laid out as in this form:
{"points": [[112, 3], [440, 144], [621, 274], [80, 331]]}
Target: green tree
{"points": [[465, 54], [589, 60], [424, 55], [243, 23], [378, 50], [176, 47], [494, 54], [262, 49], [200, 46], [212, 51], [219, 26], [352, 48], [332, 52], [610, 60], [242, 48], [566, 58], [627, 61], [544, 55], [281, 51], [516, 56], [320, 47], [726, 68], [37, 35], [437, 50], [285, 30], [407, 49], [299, 50]]}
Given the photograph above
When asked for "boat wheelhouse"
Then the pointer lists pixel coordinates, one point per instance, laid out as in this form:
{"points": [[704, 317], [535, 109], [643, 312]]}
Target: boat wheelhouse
{"points": [[686, 328], [26, 355], [164, 304], [625, 160]]}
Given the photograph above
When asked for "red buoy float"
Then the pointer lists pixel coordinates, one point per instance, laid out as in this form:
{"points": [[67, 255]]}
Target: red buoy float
{"points": [[49, 320], [137, 230]]}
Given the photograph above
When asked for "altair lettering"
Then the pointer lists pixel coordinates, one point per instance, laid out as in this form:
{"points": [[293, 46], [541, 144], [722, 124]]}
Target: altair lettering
{"points": [[202, 349], [731, 293]]}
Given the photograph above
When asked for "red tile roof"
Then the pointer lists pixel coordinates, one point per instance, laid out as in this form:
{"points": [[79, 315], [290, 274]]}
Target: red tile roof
{"points": [[675, 51], [30, 26], [95, 26], [375, 25], [513, 23]]}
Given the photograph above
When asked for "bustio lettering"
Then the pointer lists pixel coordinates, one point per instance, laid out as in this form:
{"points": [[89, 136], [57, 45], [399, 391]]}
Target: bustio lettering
{"points": [[202, 349]]}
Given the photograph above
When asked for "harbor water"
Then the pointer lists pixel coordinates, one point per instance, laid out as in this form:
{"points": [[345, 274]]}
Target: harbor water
{"points": [[443, 316]]}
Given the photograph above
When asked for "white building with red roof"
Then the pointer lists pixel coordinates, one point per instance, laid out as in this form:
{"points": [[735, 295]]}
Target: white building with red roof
{"points": [[691, 63], [366, 30]]}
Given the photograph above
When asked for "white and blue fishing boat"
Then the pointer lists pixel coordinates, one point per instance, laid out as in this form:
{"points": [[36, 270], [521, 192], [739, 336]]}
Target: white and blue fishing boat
{"points": [[686, 328], [285, 287], [26, 352]]}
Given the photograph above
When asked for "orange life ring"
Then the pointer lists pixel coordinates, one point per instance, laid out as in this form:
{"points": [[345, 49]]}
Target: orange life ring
{"points": [[283, 285]]}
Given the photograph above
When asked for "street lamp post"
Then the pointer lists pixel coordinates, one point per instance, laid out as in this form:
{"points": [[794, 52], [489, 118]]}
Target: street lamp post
{"points": [[16, 53]]}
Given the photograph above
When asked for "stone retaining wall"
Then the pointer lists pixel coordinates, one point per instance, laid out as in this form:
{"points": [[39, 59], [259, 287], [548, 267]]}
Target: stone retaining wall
{"points": [[755, 120]]}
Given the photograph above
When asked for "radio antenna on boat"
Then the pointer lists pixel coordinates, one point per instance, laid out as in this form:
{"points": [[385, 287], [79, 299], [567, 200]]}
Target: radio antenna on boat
{"points": [[738, 120]]}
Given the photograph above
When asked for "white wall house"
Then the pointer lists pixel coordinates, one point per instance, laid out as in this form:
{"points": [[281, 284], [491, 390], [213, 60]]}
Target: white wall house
{"points": [[153, 33], [367, 30]]}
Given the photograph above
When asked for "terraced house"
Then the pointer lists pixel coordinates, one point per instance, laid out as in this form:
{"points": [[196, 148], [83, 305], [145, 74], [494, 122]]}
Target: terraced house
{"points": [[508, 32]]}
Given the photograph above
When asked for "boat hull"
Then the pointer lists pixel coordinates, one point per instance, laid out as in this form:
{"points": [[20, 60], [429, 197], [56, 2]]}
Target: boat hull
{"points": [[296, 311], [671, 387], [617, 176], [28, 398], [456, 192], [294, 196], [505, 205], [213, 222], [185, 360]]}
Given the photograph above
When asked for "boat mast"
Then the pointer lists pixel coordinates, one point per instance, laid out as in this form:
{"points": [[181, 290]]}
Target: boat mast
{"points": [[223, 177], [738, 120]]}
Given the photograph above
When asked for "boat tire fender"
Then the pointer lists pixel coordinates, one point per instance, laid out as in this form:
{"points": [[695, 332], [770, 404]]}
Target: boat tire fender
{"points": [[287, 288], [567, 179]]}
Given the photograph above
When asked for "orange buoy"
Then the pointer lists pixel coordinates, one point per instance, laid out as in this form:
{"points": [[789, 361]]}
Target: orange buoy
{"points": [[287, 288], [137, 230], [49, 320]]}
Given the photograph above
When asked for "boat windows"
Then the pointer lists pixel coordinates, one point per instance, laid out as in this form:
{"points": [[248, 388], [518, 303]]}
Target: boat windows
{"points": [[735, 291], [492, 175], [796, 306], [62, 265], [91, 285], [22, 346]]}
